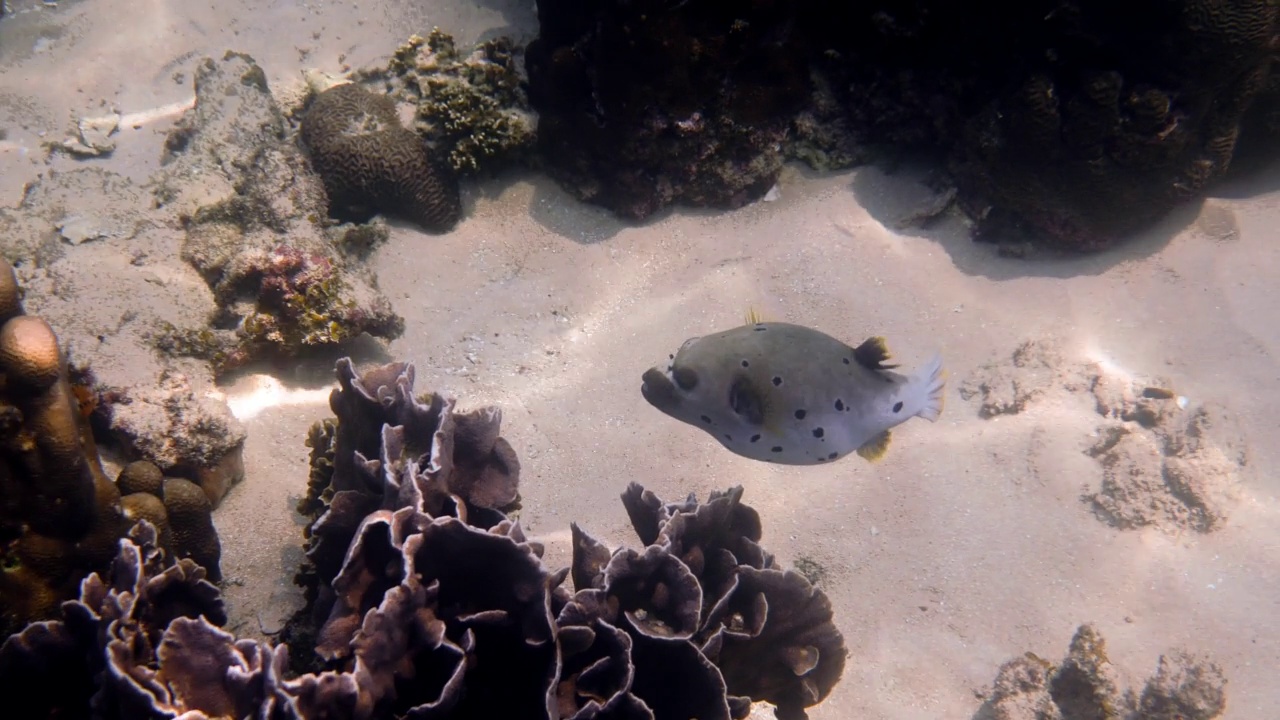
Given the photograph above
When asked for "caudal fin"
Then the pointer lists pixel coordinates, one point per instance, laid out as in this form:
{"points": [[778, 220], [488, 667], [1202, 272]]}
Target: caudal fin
{"points": [[932, 384]]}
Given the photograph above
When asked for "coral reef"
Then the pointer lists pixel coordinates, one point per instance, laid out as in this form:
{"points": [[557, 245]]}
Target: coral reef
{"points": [[1084, 686], [1072, 122], [255, 231], [699, 623], [102, 653], [1089, 124], [371, 163], [60, 515], [644, 104], [472, 108]]}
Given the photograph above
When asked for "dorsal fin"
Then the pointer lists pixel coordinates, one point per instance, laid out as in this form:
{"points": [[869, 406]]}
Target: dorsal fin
{"points": [[872, 353], [875, 448]]}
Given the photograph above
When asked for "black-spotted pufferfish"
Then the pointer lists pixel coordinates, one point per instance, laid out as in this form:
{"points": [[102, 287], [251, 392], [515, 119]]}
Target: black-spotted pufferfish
{"points": [[788, 394]]}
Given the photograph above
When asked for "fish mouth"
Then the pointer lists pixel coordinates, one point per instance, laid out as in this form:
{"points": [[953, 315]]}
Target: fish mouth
{"points": [[658, 389]]}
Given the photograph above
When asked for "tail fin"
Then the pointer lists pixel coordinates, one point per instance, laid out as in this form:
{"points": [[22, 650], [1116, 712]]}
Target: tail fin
{"points": [[932, 384]]}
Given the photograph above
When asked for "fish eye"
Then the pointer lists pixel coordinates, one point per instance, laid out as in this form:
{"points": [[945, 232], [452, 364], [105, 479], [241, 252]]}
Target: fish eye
{"points": [[745, 402], [686, 378]]}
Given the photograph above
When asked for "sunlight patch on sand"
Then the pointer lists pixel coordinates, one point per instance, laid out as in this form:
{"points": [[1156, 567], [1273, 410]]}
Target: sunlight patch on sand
{"points": [[254, 394]]}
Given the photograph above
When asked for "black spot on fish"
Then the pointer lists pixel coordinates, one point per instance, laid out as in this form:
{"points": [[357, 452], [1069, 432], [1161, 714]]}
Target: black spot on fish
{"points": [[800, 414], [706, 419], [818, 432], [833, 456], [777, 381], [759, 328], [746, 364], [776, 448], [728, 437], [846, 361], [897, 407], [755, 438], [839, 405]]}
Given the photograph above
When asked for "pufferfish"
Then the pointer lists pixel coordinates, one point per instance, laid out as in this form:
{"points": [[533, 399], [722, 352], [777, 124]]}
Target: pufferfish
{"points": [[788, 394]]}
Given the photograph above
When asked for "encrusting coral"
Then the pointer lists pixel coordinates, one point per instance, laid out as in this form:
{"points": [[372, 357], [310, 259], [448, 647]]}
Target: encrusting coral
{"points": [[371, 163]]}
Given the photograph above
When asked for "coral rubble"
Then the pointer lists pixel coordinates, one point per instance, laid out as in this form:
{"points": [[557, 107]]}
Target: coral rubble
{"points": [[1084, 686], [371, 163], [472, 108], [256, 231]]}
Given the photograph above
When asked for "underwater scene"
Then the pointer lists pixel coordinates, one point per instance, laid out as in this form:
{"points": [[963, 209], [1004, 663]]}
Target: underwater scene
{"points": [[640, 360]]}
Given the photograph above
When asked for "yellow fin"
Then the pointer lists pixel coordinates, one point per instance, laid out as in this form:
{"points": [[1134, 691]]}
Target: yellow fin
{"points": [[753, 317], [875, 448], [872, 353]]}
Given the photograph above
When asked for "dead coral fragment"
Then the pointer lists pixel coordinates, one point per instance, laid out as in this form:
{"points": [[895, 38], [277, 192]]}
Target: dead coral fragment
{"points": [[369, 161], [1084, 686]]}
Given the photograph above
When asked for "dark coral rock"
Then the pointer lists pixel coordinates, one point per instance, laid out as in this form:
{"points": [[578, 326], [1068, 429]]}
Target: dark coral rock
{"points": [[370, 162], [644, 104], [1079, 122]]}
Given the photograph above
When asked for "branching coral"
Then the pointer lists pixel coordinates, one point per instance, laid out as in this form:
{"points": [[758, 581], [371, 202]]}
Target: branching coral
{"points": [[60, 515], [471, 108]]}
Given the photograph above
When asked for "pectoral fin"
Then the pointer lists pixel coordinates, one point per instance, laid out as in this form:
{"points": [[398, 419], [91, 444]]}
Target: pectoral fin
{"points": [[875, 448]]}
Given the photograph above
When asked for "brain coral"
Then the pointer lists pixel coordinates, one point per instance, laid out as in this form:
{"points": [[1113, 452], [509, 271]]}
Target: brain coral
{"points": [[369, 161]]}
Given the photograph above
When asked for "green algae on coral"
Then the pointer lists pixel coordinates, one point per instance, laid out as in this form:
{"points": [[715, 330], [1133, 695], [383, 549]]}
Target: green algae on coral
{"points": [[473, 108]]}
